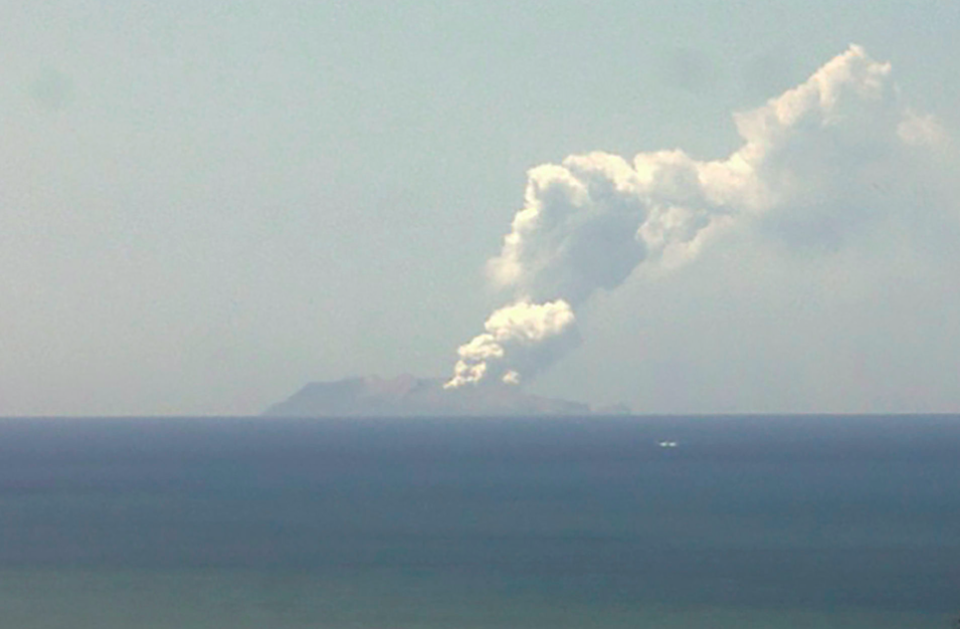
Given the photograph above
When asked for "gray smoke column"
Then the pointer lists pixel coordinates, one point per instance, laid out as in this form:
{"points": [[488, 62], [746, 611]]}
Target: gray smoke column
{"points": [[805, 171]]}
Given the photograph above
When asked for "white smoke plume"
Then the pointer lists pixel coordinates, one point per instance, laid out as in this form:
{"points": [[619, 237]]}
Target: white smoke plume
{"points": [[520, 339], [807, 172]]}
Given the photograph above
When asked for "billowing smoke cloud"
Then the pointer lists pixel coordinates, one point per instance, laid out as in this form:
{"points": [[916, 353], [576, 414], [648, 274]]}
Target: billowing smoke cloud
{"points": [[808, 172], [520, 339]]}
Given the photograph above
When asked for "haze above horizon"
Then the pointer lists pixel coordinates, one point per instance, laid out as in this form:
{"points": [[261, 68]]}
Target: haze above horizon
{"points": [[206, 206]]}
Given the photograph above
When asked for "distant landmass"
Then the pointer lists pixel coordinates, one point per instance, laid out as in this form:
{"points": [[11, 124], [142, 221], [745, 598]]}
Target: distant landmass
{"points": [[408, 396]]}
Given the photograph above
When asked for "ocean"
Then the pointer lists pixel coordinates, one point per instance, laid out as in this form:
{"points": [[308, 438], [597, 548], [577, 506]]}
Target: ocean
{"points": [[594, 522]]}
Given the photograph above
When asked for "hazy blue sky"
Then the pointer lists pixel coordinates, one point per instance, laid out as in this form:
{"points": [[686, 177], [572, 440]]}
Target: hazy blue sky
{"points": [[204, 205]]}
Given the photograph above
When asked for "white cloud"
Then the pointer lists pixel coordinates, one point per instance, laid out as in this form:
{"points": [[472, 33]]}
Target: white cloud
{"points": [[818, 164], [519, 339]]}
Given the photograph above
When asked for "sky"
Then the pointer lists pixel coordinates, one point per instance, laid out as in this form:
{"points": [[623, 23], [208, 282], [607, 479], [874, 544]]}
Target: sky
{"points": [[204, 206]]}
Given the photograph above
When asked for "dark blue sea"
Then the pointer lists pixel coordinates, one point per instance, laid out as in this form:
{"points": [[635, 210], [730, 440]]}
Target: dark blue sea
{"points": [[659, 522]]}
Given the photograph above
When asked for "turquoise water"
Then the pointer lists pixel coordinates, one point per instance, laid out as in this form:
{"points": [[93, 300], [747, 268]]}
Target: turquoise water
{"points": [[211, 599], [748, 522]]}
